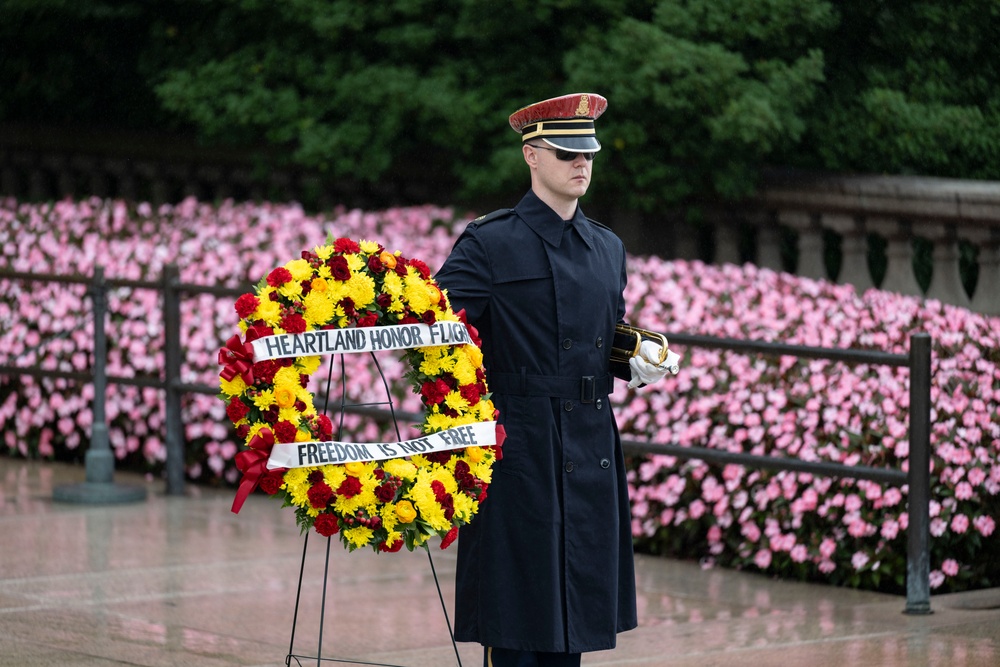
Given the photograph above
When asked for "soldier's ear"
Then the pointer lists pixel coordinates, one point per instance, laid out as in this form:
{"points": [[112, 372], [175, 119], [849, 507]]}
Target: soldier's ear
{"points": [[530, 154]]}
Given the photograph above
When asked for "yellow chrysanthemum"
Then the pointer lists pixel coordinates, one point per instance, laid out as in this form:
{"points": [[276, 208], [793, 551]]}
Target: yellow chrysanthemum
{"points": [[368, 247], [317, 309], [358, 536], [426, 503], [297, 485], [400, 468], [465, 507], [309, 365], [268, 311], [361, 289], [263, 399], [334, 476], [291, 290], [415, 291], [300, 269], [233, 387], [438, 422], [455, 401], [324, 252], [287, 376], [355, 262]]}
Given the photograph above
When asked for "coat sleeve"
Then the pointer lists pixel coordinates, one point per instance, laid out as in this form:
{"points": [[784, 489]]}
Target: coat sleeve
{"points": [[621, 370], [466, 276]]}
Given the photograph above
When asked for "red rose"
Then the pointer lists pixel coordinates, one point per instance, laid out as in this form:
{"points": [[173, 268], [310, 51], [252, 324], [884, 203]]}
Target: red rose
{"points": [[350, 487], [347, 303], [272, 480], [385, 492], [339, 268], [279, 277], [320, 494], [243, 431], [325, 427], [428, 317], [346, 245], [237, 409], [396, 546], [383, 300], [421, 268], [450, 537], [368, 320], [434, 392], [470, 393], [285, 431], [326, 525], [270, 415], [293, 323], [409, 319], [439, 457], [246, 305], [375, 264]]}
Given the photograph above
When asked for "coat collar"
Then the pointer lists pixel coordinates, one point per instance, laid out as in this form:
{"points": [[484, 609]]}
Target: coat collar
{"points": [[547, 224]]}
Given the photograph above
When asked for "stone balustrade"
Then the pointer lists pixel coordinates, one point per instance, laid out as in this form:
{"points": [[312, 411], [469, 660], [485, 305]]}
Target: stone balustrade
{"points": [[896, 208]]}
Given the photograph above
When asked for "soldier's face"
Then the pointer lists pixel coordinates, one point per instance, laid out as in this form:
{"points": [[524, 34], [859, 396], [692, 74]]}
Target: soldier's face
{"points": [[565, 179]]}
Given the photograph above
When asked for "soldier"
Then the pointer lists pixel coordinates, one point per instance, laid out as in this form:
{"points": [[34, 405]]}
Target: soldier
{"points": [[545, 570]]}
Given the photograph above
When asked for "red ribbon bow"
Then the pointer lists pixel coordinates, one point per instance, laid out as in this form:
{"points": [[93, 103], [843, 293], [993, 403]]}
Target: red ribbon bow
{"points": [[253, 464], [237, 357]]}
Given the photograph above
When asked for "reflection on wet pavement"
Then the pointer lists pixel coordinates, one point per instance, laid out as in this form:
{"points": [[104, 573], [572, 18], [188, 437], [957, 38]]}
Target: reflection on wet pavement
{"points": [[183, 581]]}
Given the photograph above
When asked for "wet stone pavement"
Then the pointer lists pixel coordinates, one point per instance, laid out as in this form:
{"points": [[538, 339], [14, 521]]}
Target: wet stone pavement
{"points": [[183, 581]]}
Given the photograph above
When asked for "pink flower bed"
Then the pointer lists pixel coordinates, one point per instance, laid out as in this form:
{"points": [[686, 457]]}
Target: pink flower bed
{"points": [[791, 524]]}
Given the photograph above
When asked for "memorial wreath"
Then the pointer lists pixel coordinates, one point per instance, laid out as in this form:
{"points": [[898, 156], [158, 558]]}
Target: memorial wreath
{"points": [[347, 297]]}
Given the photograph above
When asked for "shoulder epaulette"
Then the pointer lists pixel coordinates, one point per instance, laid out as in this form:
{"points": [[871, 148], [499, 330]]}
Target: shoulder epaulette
{"points": [[493, 216], [599, 224]]}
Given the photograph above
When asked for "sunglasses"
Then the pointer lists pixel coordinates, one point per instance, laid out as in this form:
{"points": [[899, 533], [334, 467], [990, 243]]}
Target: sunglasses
{"points": [[566, 156]]}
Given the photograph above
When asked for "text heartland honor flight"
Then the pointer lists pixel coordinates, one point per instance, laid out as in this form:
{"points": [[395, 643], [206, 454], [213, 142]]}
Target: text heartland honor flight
{"points": [[368, 339]]}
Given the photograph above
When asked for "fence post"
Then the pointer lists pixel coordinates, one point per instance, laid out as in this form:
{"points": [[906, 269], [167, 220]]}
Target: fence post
{"points": [[918, 588], [172, 378], [99, 460]]}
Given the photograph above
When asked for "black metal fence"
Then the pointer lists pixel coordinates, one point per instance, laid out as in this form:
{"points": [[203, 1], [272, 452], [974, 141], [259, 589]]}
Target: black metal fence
{"points": [[173, 290]]}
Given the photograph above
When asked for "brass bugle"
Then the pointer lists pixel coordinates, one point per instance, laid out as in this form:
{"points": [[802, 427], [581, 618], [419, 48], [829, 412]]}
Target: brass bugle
{"points": [[626, 332]]}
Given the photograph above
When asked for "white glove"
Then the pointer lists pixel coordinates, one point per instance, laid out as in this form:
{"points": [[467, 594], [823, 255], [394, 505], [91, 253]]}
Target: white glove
{"points": [[645, 366]]}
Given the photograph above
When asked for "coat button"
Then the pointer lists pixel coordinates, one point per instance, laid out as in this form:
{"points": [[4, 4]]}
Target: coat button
{"points": [[600, 341], [605, 463], [567, 343], [568, 406], [598, 404], [569, 466]]}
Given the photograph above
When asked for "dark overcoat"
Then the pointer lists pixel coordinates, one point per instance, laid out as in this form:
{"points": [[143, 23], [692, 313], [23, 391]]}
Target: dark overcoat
{"points": [[547, 564]]}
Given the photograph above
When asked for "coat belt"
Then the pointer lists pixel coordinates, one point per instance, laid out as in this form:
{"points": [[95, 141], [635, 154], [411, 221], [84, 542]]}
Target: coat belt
{"points": [[586, 388]]}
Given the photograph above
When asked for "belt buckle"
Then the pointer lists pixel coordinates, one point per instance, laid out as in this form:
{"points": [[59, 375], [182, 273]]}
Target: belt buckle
{"points": [[587, 381]]}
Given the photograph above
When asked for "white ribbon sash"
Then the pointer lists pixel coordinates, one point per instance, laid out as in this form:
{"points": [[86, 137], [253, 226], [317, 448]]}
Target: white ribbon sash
{"points": [[308, 454], [364, 339]]}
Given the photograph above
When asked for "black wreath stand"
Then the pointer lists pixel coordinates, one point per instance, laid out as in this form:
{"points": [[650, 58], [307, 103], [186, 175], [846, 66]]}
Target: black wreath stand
{"points": [[342, 409]]}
